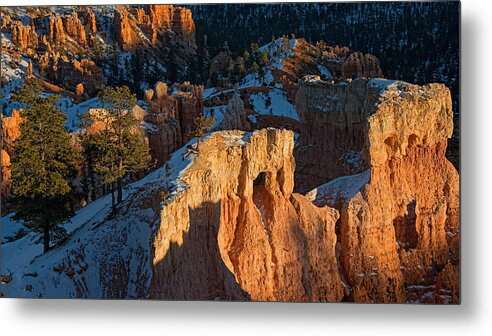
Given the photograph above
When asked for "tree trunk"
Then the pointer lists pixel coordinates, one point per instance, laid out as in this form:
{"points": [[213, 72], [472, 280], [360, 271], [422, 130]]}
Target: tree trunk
{"points": [[120, 190], [92, 177], [120, 184], [46, 233], [113, 203]]}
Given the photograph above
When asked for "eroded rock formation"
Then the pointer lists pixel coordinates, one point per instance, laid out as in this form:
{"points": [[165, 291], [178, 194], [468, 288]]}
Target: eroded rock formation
{"points": [[10, 132], [171, 117], [236, 116], [399, 217], [71, 73], [238, 232], [153, 19], [24, 37]]}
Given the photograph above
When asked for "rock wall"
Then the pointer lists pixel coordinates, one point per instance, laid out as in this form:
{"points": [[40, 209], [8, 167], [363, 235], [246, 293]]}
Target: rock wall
{"points": [[24, 37], [333, 131], [399, 220], [152, 20], [171, 117], [237, 232]]}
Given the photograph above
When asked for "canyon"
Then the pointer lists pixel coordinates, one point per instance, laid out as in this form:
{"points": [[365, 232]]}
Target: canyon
{"points": [[224, 223], [319, 180]]}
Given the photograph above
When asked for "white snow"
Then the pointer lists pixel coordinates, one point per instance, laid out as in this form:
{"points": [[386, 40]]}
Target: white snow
{"points": [[340, 189], [217, 111], [252, 118], [232, 140], [95, 244], [10, 227], [325, 73], [274, 103]]}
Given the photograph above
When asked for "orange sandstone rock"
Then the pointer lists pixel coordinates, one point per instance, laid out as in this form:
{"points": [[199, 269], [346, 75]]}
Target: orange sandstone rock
{"points": [[396, 216], [237, 232]]}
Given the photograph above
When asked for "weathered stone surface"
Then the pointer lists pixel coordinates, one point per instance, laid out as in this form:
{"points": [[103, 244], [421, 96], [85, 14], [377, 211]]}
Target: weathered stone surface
{"points": [[24, 37], [171, 117], [235, 117], [396, 217], [184, 26], [60, 69], [239, 233], [360, 65], [124, 34], [74, 28], [56, 31], [10, 132]]}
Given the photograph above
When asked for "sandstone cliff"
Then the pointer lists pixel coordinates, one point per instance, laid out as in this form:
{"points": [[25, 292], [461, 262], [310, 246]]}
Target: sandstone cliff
{"points": [[171, 117], [237, 232], [398, 219]]}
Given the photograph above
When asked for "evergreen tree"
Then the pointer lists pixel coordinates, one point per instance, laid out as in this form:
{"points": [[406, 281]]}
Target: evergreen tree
{"points": [[42, 164], [240, 66], [202, 125], [264, 58], [119, 147]]}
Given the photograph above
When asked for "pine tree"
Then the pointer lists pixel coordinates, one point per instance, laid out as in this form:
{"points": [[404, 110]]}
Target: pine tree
{"points": [[120, 147], [202, 125], [42, 164]]}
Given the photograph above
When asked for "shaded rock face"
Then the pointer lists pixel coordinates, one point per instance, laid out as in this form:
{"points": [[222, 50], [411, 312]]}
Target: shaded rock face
{"points": [[71, 73], [360, 65], [172, 117], [10, 132], [219, 63], [332, 135], [399, 219], [236, 116], [240, 233]]}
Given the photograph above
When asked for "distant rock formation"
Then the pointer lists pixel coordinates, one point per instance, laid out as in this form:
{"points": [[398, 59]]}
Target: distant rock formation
{"points": [[236, 116], [24, 37], [151, 20], [171, 117], [360, 65], [71, 73]]}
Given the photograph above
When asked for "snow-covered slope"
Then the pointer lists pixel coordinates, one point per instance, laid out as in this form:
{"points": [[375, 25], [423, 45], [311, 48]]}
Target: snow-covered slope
{"points": [[103, 257]]}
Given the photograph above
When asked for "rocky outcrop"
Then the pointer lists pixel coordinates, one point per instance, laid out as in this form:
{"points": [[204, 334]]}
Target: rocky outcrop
{"points": [[71, 73], [237, 232], [24, 37], [154, 19], [74, 28], [332, 135], [219, 63], [56, 31], [236, 116], [171, 118], [184, 26], [360, 65], [10, 132], [124, 33], [398, 217]]}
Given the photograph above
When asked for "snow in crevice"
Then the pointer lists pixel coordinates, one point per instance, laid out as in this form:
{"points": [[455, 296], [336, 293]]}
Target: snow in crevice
{"points": [[340, 189]]}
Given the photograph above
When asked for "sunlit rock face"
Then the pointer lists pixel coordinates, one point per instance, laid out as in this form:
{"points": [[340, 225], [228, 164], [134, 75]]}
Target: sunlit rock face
{"points": [[10, 132], [238, 232], [399, 222]]}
